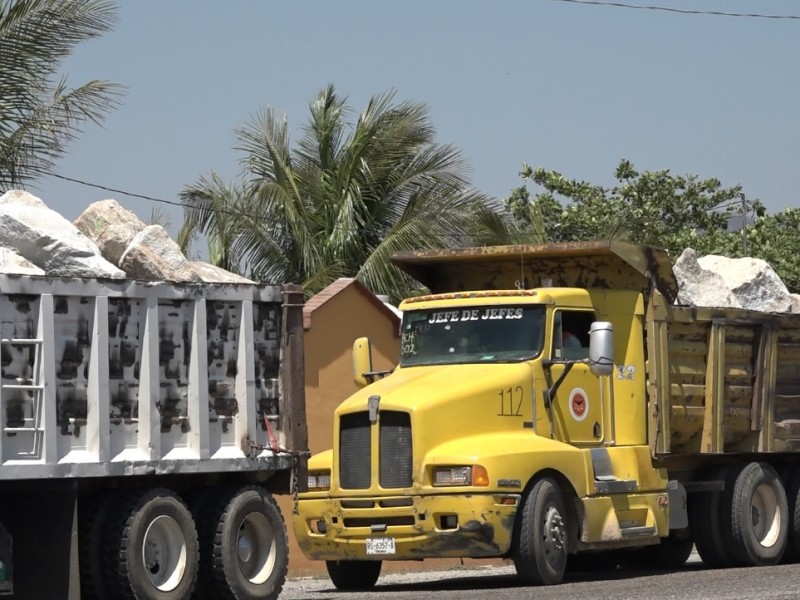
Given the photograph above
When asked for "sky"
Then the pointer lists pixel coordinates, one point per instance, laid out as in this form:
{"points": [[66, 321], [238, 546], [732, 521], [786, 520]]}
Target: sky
{"points": [[566, 86]]}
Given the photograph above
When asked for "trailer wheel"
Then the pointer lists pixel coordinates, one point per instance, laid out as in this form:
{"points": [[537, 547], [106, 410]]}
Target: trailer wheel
{"points": [[540, 543], [759, 521], [153, 549], [93, 512], [705, 513], [353, 575], [244, 548], [792, 485]]}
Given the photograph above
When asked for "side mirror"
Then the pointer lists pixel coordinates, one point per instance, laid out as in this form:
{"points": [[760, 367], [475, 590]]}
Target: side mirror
{"points": [[362, 362], [601, 348]]}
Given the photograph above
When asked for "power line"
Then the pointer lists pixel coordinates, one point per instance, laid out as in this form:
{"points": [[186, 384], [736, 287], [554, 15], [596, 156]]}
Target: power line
{"points": [[615, 229], [684, 11], [116, 191], [152, 198]]}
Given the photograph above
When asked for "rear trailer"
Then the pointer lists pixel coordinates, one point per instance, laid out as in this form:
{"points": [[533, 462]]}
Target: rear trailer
{"points": [[144, 429]]}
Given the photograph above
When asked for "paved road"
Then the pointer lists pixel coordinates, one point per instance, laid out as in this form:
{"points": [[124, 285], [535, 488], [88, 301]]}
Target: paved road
{"points": [[694, 582]]}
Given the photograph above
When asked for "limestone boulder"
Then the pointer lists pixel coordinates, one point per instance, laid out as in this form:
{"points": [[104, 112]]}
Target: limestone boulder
{"points": [[153, 256], [110, 226], [48, 240], [21, 197], [210, 274], [718, 281], [12, 263], [795, 303]]}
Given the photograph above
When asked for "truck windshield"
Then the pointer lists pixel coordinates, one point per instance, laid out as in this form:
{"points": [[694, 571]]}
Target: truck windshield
{"points": [[473, 334]]}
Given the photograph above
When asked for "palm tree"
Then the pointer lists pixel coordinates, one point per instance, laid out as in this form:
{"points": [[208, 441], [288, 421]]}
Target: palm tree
{"points": [[344, 199], [39, 113]]}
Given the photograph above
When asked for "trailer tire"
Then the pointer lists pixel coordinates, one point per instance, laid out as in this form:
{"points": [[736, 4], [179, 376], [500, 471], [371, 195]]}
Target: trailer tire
{"points": [[354, 575], [153, 528], [93, 512], [705, 510], [759, 522], [243, 546], [792, 485], [540, 541]]}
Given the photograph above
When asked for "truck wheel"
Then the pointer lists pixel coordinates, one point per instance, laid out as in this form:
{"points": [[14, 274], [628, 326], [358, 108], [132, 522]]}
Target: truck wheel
{"points": [[540, 543], [705, 512], [759, 521], [93, 514], [152, 548], [792, 479], [353, 575], [244, 548]]}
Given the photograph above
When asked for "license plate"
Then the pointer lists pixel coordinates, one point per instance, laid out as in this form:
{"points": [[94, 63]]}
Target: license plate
{"points": [[380, 546]]}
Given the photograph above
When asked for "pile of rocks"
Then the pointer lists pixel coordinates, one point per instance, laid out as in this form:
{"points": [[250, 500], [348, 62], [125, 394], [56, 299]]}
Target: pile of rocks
{"points": [[105, 241], [718, 281]]}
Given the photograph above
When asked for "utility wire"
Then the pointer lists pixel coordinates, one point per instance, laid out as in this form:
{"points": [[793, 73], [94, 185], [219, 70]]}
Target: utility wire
{"points": [[223, 211], [684, 11], [152, 198], [116, 191]]}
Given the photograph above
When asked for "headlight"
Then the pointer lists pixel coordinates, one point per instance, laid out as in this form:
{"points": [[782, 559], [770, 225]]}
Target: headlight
{"points": [[472, 475], [319, 480]]}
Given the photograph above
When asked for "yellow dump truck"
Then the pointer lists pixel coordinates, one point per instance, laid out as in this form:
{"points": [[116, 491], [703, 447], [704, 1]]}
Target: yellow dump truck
{"points": [[551, 405]]}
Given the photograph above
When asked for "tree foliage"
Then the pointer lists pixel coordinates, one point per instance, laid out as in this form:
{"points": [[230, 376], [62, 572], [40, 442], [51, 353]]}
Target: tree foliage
{"points": [[656, 208], [39, 113], [342, 200]]}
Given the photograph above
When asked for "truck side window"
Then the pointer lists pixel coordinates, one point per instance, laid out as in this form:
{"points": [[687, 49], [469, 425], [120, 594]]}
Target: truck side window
{"points": [[571, 334]]}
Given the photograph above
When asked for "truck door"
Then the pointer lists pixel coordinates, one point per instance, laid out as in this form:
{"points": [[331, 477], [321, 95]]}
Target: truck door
{"points": [[577, 403]]}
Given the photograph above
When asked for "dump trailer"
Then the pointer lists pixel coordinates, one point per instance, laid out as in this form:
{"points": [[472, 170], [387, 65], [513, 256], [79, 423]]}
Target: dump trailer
{"points": [[553, 406], [144, 429]]}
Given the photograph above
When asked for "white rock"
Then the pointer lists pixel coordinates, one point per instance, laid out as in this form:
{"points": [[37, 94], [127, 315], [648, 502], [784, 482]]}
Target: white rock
{"points": [[795, 303], [153, 256], [209, 273], [12, 263], [49, 241], [110, 226], [21, 197], [718, 281]]}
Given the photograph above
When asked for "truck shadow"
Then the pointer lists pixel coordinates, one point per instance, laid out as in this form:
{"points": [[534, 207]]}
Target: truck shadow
{"points": [[510, 580]]}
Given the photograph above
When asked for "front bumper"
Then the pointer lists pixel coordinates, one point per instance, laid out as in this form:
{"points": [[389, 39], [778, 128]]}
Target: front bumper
{"points": [[441, 526]]}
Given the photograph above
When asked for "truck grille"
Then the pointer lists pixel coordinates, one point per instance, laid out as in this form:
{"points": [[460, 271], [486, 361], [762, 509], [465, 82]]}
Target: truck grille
{"points": [[395, 458], [395, 449], [355, 461]]}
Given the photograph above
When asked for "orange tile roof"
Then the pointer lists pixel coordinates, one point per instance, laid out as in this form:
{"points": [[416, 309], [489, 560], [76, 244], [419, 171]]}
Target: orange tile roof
{"points": [[319, 299]]}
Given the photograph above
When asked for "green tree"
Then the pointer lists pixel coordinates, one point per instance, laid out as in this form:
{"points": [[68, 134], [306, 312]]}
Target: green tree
{"points": [[776, 239], [343, 200], [655, 208], [39, 113]]}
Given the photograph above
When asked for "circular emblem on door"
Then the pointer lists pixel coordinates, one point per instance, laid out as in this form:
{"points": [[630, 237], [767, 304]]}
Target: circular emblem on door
{"points": [[578, 404]]}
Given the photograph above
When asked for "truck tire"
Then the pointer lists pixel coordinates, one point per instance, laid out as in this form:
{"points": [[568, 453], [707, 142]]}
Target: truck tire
{"points": [[243, 546], [152, 548], [706, 515], [792, 485], [759, 523], [353, 575], [540, 541], [93, 514]]}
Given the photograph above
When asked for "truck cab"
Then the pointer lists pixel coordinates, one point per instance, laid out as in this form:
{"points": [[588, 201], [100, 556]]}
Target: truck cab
{"points": [[514, 425]]}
